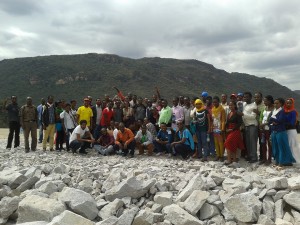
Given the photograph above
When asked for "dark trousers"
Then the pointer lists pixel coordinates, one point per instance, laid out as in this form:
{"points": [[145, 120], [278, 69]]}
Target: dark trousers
{"points": [[251, 133], [14, 128], [97, 131], [130, 148], [82, 146], [183, 150], [59, 139], [68, 138], [161, 147]]}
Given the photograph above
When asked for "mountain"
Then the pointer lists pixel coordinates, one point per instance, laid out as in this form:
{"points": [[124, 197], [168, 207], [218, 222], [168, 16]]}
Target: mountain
{"points": [[75, 76]]}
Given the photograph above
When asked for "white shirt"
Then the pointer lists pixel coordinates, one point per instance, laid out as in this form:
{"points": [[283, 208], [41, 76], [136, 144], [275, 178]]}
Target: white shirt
{"points": [[115, 133], [69, 120], [99, 114], [187, 115], [78, 130], [148, 135], [249, 117]]}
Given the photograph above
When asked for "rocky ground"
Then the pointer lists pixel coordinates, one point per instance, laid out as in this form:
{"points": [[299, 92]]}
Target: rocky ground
{"points": [[65, 189]]}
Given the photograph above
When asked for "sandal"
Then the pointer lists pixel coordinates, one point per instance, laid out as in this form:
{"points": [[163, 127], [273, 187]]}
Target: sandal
{"points": [[279, 168]]}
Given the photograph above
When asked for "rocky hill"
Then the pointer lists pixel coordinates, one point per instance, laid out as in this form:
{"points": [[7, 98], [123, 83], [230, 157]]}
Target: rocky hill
{"points": [[74, 76]]}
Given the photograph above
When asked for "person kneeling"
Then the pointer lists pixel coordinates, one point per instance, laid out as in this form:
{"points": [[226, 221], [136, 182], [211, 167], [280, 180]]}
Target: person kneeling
{"points": [[144, 141], [106, 143], [125, 140], [81, 138]]}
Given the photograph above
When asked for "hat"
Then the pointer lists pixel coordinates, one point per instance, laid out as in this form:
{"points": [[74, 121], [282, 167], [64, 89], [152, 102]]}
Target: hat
{"points": [[204, 94], [233, 95], [240, 94]]}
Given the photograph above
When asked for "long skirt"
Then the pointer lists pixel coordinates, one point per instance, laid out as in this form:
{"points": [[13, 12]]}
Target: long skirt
{"points": [[294, 145], [280, 148]]}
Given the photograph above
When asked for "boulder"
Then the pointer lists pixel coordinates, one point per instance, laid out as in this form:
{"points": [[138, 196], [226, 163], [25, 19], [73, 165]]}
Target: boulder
{"points": [[70, 218], [110, 209], [147, 218], [293, 199], [79, 202], [196, 183], [207, 211], [37, 208], [294, 183], [244, 207], [179, 216], [236, 185], [195, 201], [163, 198], [127, 217], [268, 207], [8, 205], [279, 209], [279, 221], [12, 178], [264, 220], [130, 187], [109, 221], [276, 183], [48, 188]]}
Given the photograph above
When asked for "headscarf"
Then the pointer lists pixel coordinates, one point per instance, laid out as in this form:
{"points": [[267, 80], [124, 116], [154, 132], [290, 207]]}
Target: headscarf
{"points": [[202, 107], [292, 108]]}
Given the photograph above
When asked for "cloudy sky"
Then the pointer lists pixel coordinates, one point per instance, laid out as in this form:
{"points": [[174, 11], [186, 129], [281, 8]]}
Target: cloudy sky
{"points": [[248, 36]]}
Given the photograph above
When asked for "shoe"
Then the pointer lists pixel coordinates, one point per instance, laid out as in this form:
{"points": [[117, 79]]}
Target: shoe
{"points": [[227, 163], [131, 156], [222, 159], [252, 161], [83, 152], [204, 159], [26, 150], [158, 154], [124, 155], [261, 162], [217, 158], [34, 149], [51, 149]]}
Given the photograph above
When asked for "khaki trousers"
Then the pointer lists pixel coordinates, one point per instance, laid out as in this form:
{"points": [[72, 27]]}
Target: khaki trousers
{"points": [[49, 132], [148, 147], [30, 127]]}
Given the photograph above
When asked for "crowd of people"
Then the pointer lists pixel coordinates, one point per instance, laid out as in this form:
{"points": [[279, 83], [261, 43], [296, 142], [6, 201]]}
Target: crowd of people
{"points": [[262, 130]]}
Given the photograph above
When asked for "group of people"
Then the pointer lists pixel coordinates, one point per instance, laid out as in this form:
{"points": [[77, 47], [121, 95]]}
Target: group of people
{"points": [[202, 127]]}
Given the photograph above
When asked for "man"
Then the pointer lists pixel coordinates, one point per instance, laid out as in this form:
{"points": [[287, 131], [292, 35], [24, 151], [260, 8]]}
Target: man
{"points": [[187, 108], [251, 126], [163, 140], [177, 113], [224, 104], [85, 113], [150, 126], [258, 99], [73, 108], [40, 125], [125, 140], [81, 138], [29, 123], [118, 112], [106, 143], [48, 121], [165, 114], [107, 115], [68, 123], [139, 110], [97, 115], [13, 122], [144, 140]]}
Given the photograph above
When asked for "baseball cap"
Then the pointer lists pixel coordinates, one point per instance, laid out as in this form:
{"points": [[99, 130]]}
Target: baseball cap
{"points": [[240, 94], [204, 94]]}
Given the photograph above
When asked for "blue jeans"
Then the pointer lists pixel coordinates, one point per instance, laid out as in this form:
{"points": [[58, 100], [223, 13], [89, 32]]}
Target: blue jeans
{"points": [[161, 147], [211, 145], [97, 132], [202, 143]]}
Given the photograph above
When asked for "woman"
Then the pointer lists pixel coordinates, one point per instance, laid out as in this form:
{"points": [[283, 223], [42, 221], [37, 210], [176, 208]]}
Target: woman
{"points": [[291, 119], [219, 118], [234, 139], [280, 146], [266, 148], [200, 117]]}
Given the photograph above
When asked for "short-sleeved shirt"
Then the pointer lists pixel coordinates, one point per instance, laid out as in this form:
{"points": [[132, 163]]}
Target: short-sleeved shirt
{"points": [[165, 135], [85, 113], [188, 137], [13, 112], [78, 130]]}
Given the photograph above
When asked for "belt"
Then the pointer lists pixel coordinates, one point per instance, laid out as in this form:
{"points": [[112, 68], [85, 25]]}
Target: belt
{"points": [[30, 121]]}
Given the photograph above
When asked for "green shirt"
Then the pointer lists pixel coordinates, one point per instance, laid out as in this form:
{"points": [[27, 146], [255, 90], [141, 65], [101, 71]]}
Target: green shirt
{"points": [[165, 115]]}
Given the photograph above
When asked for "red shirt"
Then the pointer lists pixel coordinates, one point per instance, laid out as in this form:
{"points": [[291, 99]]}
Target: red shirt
{"points": [[106, 117]]}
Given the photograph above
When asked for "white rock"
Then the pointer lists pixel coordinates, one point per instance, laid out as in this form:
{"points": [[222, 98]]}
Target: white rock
{"points": [[156, 208], [8, 205], [280, 195], [70, 218], [288, 217], [109, 221], [296, 216], [34, 223], [130, 187], [237, 186], [48, 188], [79, 202], [110, 209], [268, 207], [196, 183], [127, 217], [36, 208], [282, 222], [217, 177], [179, 216], [147, 218], [276, 183], [207, 211], [86, 185], [245, 207], [112, 180], [293, 199], [294, 183], [12, 178], [163, 198], [264, 220], [279, 209], [195, 201], [217, 220]]}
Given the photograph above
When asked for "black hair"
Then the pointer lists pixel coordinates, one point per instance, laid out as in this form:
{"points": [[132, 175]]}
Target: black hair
{"points": [[248, 93], [270, 98], [82, 122], [281, 100], [216, 98]]}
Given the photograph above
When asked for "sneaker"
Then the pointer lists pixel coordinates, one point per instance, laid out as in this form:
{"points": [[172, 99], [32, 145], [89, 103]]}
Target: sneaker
{"points": [[26, 150], [34, 149], [51, 149], [158, 154]]}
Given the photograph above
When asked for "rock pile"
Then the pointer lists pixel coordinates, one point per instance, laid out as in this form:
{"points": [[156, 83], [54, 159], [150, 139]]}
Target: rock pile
{"points": [[63, 189]]}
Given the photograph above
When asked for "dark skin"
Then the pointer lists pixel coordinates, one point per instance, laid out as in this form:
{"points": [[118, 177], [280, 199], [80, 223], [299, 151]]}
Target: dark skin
{"points": [[224, 98], [231, 156], [180, 126], [163, 127], [92, 140], [270, 107]]}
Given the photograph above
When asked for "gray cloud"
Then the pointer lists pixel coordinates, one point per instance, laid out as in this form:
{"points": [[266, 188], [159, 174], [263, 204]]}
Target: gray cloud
{"points": [[260, 37]]}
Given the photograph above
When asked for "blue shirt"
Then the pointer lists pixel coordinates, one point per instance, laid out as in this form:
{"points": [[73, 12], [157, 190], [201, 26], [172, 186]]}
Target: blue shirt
{"points": [[165, 136], [188, 138]]}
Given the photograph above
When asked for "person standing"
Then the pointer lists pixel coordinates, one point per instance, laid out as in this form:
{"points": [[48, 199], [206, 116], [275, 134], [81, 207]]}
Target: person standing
{"points": [[68, 123], [165, 114], [29, 123], [48, 121], [97, 114], [40, 126], [13, 122], [85, 113], [177, 113]]}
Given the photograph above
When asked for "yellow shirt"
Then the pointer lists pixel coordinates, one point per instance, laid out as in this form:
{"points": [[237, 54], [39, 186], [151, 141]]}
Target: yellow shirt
{"points": [[85, 113]]}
